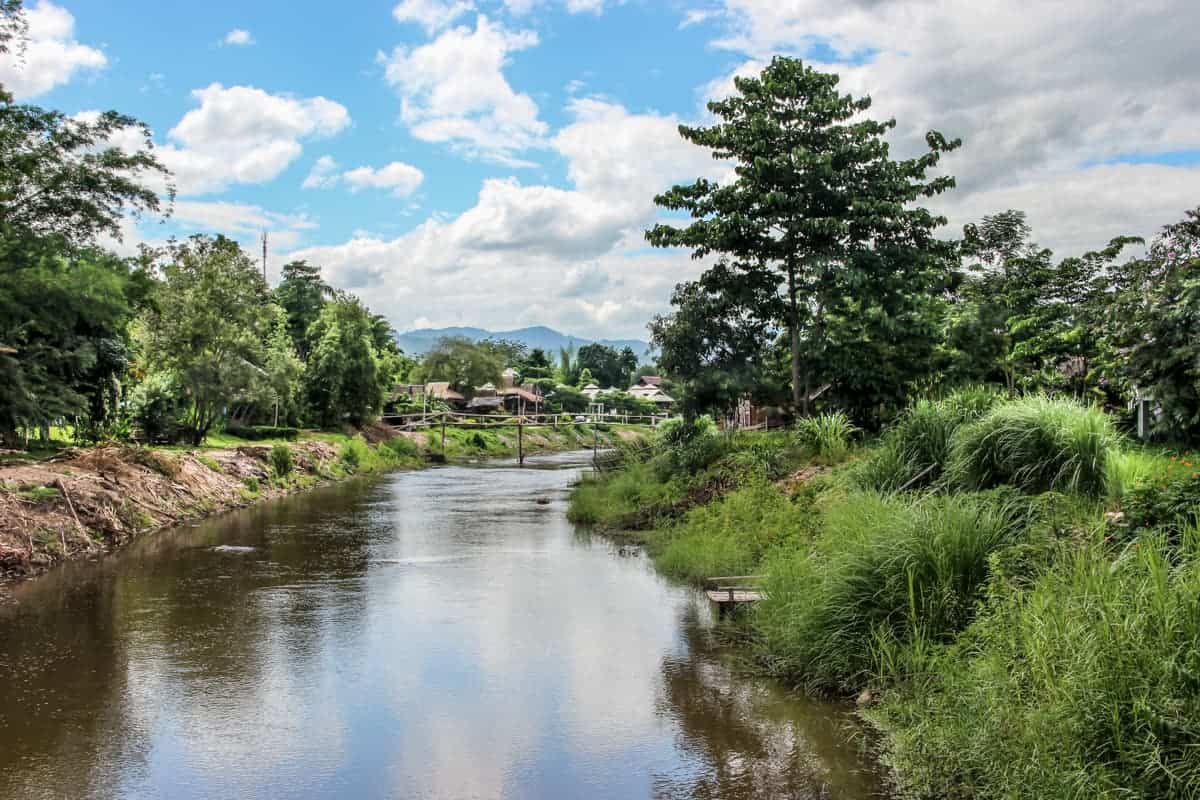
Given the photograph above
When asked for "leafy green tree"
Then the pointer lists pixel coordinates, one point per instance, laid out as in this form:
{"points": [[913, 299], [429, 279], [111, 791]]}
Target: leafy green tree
{"points": [[347, 378], [63, 324], [536, 365], [302, 294], [462, 363], [818, 205], [209, 327], [1153, 325], [609, 366]]}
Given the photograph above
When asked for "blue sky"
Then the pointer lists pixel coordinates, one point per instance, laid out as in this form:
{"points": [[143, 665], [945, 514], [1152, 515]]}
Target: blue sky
{"points": [[492, 162]]}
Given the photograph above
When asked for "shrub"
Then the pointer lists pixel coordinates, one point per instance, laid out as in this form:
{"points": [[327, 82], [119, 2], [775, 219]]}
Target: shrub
{"points": [[914, 452], [883, 571], [354, 454], [260, 432], [156, 406], [1168, 501], [402, 448], [827, 435], [1035, 444], [1085, 686], [281, 460]]}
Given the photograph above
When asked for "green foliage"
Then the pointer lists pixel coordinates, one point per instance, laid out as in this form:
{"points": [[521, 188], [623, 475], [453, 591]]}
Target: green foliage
{"points": [[354, 454], [281, 460], [211, 463], [916, 449], [40, 494], [345, 379], [402, 449], [568, 399], [1036, 444], [256, 433], [155, 406], [301, 294], [1165, 499], [208, 326], [1085, 686], [732, 535], [883, 570], [821, 224], [826, 435], [462, 363], [607, 365]]}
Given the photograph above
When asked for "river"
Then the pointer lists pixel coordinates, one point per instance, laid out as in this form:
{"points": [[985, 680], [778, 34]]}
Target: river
{"points": [[436, 634]]}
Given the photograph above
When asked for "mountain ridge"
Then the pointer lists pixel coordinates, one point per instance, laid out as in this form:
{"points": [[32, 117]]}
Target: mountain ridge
{"points": [[420, 340]]}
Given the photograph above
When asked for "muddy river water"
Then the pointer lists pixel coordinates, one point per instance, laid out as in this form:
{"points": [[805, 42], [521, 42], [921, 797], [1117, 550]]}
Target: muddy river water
{"points": [[436, 634]]}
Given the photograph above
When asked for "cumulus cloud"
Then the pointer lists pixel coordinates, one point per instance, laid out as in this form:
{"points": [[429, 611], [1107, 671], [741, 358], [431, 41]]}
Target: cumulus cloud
{"points": [[519, 7], [453, 91], [238, 37], [402, 179], [51, 56], [432, 15], [511, 256], [241, 134], [1039, 96]]}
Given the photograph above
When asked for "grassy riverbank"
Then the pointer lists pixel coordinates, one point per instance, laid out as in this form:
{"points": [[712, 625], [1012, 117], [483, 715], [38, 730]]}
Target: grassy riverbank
{"points": [[81, 503], [1021, 620]]}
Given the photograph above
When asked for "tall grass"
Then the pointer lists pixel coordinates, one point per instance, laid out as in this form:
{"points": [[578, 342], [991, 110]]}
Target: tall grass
{"points": [[884, 569], [827, 435], [730, 536], [1086, 686], [1036, 444], [914, 452]]}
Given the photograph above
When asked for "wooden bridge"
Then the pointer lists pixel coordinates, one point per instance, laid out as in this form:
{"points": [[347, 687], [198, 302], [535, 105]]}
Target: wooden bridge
{"points": [[731, 591], [454, 419]]}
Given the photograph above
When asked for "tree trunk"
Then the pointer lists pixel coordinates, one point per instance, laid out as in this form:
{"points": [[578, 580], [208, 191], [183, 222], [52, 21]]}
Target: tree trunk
{"points": [[799, 392]]}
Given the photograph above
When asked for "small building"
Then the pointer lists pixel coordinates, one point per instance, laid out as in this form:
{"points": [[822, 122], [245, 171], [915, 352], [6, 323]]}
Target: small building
{"points": [[522, 399], [484, 404], [591, 390], [442, 391]]}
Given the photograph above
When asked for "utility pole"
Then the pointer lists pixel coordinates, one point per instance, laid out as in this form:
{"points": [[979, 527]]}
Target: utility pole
{"points": [[264, 244]]}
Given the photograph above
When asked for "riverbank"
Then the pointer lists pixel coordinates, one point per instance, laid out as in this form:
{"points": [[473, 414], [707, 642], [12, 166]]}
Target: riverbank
{"points": [[82, 503], [1008, 588]]}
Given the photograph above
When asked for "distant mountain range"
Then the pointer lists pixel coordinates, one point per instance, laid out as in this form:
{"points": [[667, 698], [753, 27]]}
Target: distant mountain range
{"points": [[420, 341]]}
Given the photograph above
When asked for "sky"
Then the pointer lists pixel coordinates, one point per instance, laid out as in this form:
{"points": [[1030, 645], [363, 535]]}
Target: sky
{"points": [[494, 162]]}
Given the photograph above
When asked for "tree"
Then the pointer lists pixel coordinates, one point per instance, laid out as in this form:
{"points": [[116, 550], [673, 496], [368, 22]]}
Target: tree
{"points": [[818, 205], [209, 327], [60, 176], [462, 363], [1154, 323], [535, 365], [302, 293], [63, 321], [606, 364], [346, 378]]}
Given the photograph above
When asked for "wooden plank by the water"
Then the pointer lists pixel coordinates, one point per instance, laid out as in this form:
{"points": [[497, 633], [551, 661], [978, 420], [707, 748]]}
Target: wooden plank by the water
{"points": [[722, 596], [734, 589]]}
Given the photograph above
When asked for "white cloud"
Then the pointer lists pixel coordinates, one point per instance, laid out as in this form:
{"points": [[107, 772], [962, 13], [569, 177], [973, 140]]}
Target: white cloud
{"points": [[518, 7], [1039, 94], [238, 37], [242, 134], [432, 15], [403, 179], [570, 257], [51, 56], [322, 175], [453, 90]]}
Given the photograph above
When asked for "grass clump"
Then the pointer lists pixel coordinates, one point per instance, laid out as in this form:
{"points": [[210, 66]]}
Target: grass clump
{"points": [[1036, 444], [354, 454], [209, 462], [826, 435], [1085, 686], [732, 535], [885, 570], [914, 452], [281, 460]]}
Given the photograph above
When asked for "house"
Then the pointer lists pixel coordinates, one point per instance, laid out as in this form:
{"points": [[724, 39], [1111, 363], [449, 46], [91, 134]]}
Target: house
{"points": [[442, 391], [591, 390], [484, 404], [522, 399]]}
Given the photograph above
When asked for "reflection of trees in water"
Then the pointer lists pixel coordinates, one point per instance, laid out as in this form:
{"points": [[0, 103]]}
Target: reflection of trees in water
{"points": [[748, 739], [92, 654]]}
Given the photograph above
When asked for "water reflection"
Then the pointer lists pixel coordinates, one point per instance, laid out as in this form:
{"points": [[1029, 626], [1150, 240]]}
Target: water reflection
{"points": [[436, 634]]}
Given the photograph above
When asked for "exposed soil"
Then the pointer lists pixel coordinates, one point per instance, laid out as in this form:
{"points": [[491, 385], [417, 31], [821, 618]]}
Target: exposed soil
{"points": [[87, 502]]}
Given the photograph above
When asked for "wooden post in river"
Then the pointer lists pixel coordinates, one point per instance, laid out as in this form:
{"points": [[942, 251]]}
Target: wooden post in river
{"points": [[520, 442], [443, 436]]}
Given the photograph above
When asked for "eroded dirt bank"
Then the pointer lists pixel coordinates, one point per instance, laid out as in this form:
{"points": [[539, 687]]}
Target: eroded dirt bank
{"points": [[88, 502]]}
